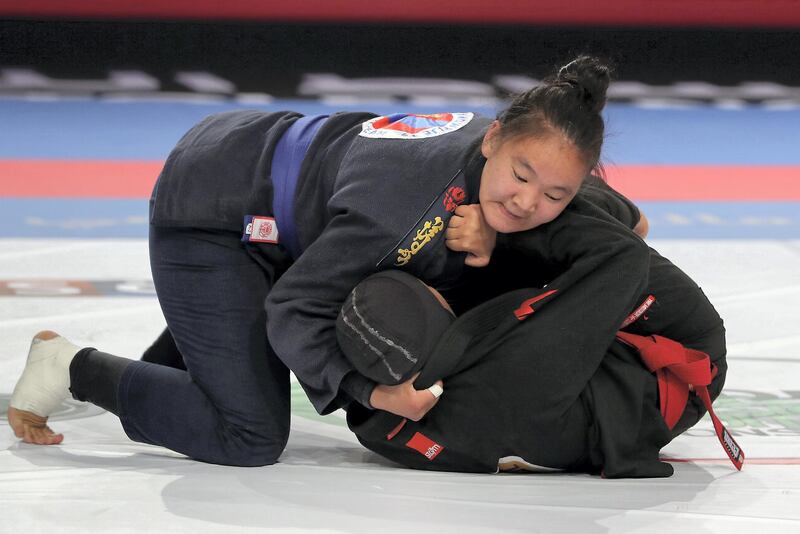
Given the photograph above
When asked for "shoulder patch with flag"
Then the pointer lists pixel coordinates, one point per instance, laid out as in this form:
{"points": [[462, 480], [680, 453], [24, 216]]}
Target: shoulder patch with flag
{"points": [[413, 126]]}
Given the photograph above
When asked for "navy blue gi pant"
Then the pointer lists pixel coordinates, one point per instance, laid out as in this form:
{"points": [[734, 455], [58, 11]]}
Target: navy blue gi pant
{"points": [[231, 404]]}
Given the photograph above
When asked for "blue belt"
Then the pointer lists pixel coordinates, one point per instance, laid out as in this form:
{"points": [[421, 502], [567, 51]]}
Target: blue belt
{"points": [[286, 163]]}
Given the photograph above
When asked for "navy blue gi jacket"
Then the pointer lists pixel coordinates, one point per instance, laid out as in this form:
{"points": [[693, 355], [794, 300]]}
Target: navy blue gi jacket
{"points": [[362, 204]]}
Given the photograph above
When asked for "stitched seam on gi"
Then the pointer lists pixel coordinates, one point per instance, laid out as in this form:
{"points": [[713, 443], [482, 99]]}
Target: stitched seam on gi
{"points": [[378, 335]]}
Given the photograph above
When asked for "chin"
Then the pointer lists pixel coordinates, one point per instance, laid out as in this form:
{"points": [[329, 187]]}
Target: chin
{"points": [[502, 225]]}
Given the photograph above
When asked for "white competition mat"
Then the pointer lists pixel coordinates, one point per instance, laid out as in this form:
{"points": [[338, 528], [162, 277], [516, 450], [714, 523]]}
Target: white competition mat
{"points": [[98, 480]]}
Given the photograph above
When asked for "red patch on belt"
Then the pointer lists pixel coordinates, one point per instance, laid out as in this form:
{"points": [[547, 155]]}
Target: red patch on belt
{"points": [[425, 446]]}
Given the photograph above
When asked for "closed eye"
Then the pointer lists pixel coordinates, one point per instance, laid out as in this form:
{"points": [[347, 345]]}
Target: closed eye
{"points": [[554, 198], [520, 178]]}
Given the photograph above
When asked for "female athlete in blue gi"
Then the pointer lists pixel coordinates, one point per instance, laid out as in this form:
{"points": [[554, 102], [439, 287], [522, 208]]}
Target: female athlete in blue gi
{"points": [[262, 223]]}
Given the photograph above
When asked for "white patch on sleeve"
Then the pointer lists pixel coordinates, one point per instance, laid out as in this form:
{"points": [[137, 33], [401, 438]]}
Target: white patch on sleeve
{"points": [[262, 230]]}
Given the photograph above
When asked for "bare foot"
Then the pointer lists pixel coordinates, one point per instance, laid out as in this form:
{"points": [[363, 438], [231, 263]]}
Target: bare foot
{"points": [[32, 428]]}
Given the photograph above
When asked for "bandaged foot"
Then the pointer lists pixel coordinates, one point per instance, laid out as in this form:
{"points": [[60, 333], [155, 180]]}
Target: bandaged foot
{"points": [[44, 383]]}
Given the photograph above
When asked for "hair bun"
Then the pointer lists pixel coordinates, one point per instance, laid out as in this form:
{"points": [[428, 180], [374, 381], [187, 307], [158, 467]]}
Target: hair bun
{"points": [[569, 102], [591, 76]]}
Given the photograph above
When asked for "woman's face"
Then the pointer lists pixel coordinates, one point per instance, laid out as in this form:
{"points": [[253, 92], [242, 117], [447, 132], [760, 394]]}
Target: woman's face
{"points": [[527, 181]]}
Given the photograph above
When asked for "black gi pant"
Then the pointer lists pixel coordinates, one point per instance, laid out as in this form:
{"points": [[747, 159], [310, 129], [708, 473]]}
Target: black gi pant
{"points": [[231, 404]]}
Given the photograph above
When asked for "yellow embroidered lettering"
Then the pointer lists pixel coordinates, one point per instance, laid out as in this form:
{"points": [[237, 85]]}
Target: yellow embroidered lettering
{"points": [[422, 238]]}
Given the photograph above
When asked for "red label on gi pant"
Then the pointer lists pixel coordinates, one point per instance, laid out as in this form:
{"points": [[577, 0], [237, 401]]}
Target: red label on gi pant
{"points": [[425, 446]]}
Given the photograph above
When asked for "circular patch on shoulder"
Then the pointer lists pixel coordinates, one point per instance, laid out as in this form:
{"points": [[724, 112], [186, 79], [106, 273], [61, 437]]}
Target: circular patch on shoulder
{"points": [[413, 126]]}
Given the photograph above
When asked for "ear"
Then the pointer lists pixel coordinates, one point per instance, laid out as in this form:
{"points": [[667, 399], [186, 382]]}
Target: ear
{"points": [[490, 139]]}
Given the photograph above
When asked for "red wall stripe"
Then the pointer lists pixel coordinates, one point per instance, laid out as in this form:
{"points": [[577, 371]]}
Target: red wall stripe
{"points": [[135, 179], [742, 13]]}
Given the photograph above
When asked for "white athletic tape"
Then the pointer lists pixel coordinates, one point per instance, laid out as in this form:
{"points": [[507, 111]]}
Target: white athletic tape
{"points": [[44, 383], [436, 390]]}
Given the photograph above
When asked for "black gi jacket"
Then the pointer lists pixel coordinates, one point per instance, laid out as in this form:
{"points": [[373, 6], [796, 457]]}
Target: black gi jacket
{"points": [[557, 389], [361, 205]]}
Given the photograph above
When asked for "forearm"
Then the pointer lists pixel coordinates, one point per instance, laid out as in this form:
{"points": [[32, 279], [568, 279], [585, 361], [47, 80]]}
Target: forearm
{"points": [[358, 388], [404, 400]]}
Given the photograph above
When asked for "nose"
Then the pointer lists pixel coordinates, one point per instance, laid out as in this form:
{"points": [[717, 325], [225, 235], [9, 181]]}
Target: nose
{"points": [[527, 198]]}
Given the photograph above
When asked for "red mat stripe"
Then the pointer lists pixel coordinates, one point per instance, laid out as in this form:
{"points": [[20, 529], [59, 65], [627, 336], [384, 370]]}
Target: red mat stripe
{"points": [[135, 179], [78, 179], [706, 182]]}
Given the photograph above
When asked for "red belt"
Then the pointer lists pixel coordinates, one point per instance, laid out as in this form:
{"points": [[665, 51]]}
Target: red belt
{"points": [[676, 367]]}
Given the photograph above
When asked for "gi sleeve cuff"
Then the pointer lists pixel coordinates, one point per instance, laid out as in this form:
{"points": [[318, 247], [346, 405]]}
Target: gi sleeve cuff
{"points": [[358, 387]]}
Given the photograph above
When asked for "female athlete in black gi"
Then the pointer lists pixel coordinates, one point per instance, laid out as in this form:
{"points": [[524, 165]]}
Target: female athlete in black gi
{"points": [[272, 218], [564, 368]]}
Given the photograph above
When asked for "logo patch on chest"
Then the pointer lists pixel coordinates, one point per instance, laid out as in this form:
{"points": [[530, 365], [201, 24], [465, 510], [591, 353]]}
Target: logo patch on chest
{"points": [[413, 126], [453, 198], [421, 238], [429, 228]]}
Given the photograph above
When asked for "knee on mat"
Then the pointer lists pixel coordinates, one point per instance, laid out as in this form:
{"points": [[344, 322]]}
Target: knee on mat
{"points": [[250, 449]]}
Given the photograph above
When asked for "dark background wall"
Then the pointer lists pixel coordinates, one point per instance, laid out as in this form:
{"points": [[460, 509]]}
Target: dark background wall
{"points": [[271, 57], [267, 46]]}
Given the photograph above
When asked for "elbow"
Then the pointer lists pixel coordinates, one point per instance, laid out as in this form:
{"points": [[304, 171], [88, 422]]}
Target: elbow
{"points": [[642, 228]]}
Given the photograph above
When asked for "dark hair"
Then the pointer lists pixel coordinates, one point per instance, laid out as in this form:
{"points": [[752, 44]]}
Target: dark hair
{"points": [[569, 102]]}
